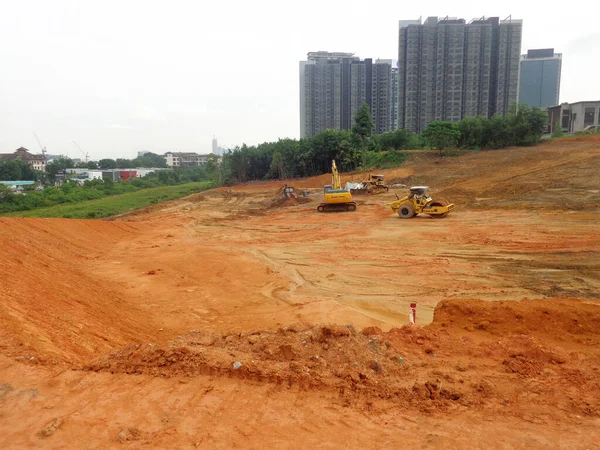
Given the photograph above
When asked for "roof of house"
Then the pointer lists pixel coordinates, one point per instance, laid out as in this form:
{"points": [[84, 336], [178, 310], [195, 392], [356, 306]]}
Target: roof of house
{"points": [[17, 183], [23, 154], [574, 103], [185, 154]]}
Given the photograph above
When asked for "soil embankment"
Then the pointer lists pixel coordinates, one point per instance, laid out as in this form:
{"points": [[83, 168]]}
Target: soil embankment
{"points": [[237, 318]]}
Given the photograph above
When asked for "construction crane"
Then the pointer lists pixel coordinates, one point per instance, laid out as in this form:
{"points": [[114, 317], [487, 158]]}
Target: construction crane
{"points": [[42, 147], [87, 156]]}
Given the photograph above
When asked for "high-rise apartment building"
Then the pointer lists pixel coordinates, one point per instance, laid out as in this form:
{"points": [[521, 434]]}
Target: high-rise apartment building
{"points": [[381, 96], [394, 100], [539, 83], [449, 69], [333, 86]]}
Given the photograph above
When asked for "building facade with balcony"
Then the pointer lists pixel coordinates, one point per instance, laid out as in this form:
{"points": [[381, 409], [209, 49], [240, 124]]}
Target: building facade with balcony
{"points": [[449, 69], [183, 159], [334, 85]]}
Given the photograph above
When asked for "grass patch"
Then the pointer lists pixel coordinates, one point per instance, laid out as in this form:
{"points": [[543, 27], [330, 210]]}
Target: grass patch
{"points": [[116, 204], [385, 160]]}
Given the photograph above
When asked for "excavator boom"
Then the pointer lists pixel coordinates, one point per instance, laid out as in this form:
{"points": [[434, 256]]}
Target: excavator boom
{"points": [[335, 176]]}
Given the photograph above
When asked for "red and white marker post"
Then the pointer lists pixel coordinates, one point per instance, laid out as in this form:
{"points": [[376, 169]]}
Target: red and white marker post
{"points": [[412, 316]]}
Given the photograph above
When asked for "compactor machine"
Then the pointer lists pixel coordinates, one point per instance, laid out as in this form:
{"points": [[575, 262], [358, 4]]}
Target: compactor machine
{"points": [[419, 202]]}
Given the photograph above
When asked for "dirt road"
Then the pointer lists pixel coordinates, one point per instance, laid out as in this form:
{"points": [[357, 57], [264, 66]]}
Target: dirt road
{"points": [[126, 332]]}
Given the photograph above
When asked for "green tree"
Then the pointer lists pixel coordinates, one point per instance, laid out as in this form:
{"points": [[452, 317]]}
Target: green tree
{"points": [[58, 165], [6, 195], [474, 132], [212, 166], [150, 160], [15, 170], [107, 164], [442, 136], [362, 129], [398, 140], [558, 131], [92, 165], [499, 135], [277, 168], [123, 163], [526, 125]]}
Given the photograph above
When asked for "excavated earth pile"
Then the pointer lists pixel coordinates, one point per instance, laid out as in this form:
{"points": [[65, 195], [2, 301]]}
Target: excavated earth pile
{"points": [[474, 355]]}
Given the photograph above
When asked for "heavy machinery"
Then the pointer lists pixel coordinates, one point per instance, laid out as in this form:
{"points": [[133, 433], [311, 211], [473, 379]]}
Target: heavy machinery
{"points": [[336, 198], [419, 202], [287, 192], [374, 185]]}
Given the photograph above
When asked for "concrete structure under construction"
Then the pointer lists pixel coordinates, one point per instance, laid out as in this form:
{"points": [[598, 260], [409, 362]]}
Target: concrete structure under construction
{"points": [[449, 69], [333, 86], [575, 116], [539, 81]]}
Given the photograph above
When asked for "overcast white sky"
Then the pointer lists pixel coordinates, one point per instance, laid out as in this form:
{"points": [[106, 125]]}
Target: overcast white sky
{"points": [[119, 76]]}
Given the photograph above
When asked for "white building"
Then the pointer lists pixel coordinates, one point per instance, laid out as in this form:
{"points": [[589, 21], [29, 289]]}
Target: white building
{"points": [[573, 117], [182, 159]]}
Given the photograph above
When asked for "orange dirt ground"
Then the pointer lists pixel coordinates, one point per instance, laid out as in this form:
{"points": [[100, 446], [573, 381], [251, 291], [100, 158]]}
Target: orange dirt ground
{"points": [[125, 333]]}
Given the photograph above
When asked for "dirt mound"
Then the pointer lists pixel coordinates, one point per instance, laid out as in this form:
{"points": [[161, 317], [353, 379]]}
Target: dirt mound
{"points": [[329, 357], [430, 368], [556, 175], [540, 318], [288, 202]]}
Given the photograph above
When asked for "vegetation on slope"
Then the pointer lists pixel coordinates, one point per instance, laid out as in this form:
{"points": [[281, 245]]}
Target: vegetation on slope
{"points": [[116, 204], [73, 192]]}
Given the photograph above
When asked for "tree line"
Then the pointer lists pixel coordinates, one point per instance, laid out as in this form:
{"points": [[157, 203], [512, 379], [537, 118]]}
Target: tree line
{"points": [[147, 160], [354, 149], [16, 169]]}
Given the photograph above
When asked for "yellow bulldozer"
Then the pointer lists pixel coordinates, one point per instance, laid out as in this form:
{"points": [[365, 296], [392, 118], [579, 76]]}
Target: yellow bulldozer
{"points": [[419, 202], [374, 185], [336, 198]]}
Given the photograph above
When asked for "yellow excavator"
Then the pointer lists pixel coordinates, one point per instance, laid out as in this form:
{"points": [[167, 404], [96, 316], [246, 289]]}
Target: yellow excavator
{"points": [[336, 198]]}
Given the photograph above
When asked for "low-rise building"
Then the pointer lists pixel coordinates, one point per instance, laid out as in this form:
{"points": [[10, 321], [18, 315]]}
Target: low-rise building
{"points": [[82, 175], [573, 117], [17, 186], [183, 159], [37, 162]]}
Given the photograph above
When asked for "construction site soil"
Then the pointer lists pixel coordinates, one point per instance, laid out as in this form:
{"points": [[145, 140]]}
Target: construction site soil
{"points": [[237, 319]]}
